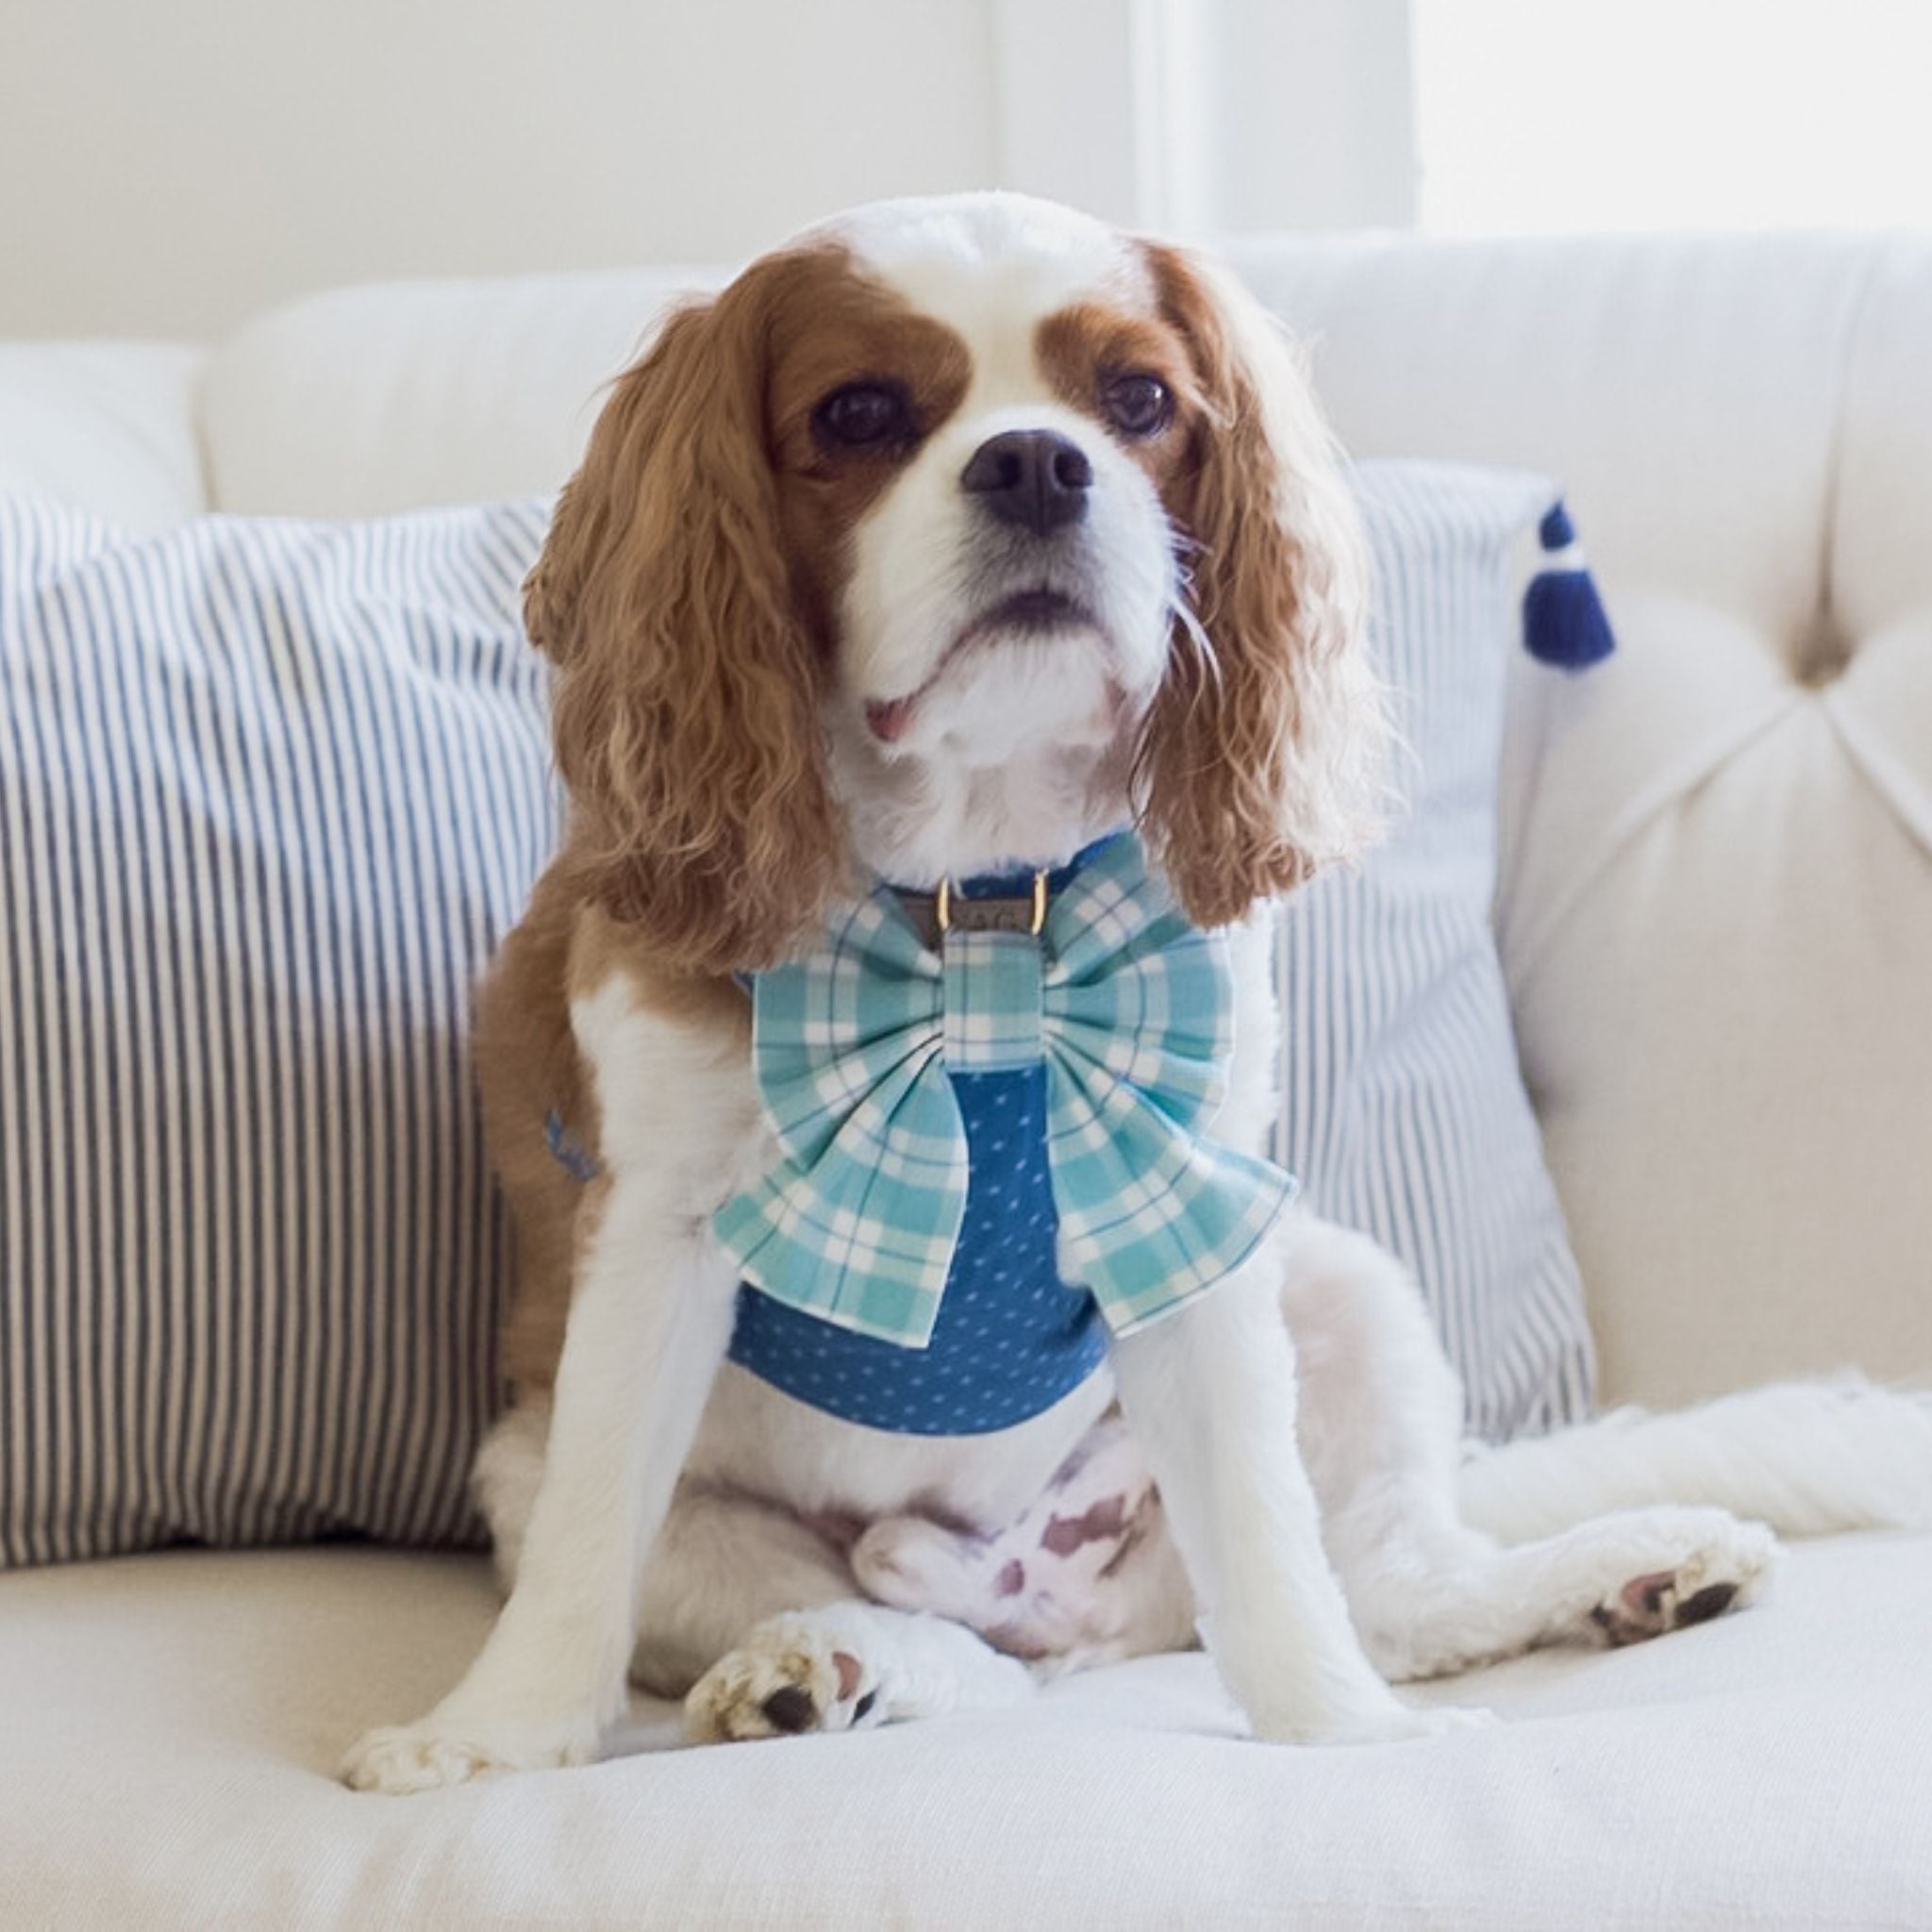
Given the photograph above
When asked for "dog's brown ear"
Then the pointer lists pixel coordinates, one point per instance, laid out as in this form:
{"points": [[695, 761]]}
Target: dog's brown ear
{"points": [[685, 701], [1262, 755]]}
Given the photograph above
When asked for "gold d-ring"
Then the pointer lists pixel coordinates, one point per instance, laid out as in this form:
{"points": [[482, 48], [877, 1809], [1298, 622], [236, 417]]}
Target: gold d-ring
{"points": [[942, 905]]}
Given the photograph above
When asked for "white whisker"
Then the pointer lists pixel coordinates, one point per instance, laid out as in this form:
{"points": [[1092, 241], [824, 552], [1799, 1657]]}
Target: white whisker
{"points": [[1196, 634]]}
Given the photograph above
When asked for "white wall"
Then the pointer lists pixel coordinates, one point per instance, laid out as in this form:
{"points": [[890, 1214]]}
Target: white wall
{"points": [[1308, 115], [1766, 114], [1211, 117], [168, 166]]}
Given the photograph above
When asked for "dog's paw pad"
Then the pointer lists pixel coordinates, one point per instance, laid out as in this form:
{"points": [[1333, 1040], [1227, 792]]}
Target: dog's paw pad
{"points": [[1713, 1600], [785, 1681], [790, 1708], [1724, 1570]]}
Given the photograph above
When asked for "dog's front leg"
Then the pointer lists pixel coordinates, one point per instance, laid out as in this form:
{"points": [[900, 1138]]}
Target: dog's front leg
{"points": [[650, 1320], [649, 1324], [1211, 1393]]}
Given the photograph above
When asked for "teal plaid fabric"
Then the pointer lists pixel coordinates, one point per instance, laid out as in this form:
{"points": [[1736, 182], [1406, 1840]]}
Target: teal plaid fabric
{"points": [[1132, 1010]]}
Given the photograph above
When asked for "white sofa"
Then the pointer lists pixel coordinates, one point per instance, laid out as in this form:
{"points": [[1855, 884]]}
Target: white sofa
{"points": [[1716, 910]]}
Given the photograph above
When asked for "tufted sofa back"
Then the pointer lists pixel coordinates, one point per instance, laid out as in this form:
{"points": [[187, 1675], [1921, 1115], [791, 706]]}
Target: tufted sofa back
{"points": [[1715, 900], [1716, 895]]}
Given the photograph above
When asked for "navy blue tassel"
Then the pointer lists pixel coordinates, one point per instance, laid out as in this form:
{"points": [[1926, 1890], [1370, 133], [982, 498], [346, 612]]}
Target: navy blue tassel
{"points": [[1563, 619]]}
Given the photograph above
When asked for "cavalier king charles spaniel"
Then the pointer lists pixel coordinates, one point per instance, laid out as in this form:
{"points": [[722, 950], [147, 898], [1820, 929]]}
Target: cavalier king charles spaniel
{"points": [[951, 540]]}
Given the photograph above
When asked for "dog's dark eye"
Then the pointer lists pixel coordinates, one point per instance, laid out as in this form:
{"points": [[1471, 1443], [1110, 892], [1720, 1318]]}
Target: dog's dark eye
{"points": [[1136, 404], [863, 415]]}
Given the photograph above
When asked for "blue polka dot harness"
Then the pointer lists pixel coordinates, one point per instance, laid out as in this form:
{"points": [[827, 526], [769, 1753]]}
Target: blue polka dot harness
{"points": [[971, 1090]]}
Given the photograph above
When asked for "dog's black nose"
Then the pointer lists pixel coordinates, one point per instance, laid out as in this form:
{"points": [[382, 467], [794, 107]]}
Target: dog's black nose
{"points": [[1033, 478]]}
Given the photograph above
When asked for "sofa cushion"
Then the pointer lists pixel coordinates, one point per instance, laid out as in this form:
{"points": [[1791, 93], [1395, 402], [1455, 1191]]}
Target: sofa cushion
{"points": [[363, 401], [1716, 905], [174, 1722], [105, 427], [269, 794]]}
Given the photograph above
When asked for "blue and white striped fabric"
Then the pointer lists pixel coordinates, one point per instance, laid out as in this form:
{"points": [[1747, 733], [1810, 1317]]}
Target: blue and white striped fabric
{"points": [[270, 793], [1404, 1109]]}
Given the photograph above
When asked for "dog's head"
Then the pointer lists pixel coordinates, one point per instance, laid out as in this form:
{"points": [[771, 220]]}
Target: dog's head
{"points": [[945, 489]]}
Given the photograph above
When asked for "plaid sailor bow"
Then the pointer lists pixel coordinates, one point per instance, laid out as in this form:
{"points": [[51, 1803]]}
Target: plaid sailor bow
{"points": [[1132, 1009]]}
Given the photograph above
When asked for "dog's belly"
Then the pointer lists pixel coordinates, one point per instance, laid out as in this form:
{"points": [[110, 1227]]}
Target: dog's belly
{"points": [[759, 1442]]}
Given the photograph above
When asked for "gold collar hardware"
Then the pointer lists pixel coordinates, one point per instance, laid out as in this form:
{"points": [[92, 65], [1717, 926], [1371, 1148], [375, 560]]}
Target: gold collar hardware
{"points": [[988, 915]]}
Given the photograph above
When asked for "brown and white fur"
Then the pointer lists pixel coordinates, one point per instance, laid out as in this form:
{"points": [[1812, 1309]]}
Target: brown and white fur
{"points": [[787, 661]]}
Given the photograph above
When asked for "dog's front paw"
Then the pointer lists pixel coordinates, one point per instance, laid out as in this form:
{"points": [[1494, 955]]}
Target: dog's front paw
{"points": [[1400, 1725], [786, 1678], [438, 1751], [1377, 1721], [1407, 1725]]}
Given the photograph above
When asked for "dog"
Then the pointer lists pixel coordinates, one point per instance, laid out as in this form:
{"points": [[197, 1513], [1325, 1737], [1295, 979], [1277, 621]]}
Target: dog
{"points": [[965, 538]]}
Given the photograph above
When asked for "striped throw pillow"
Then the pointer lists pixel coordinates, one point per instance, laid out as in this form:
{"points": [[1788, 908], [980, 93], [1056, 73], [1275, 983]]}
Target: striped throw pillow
{"points": [[1404, 1109], [269, 794]]}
